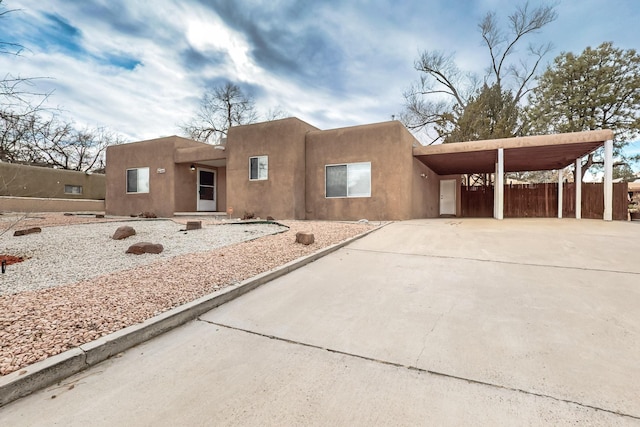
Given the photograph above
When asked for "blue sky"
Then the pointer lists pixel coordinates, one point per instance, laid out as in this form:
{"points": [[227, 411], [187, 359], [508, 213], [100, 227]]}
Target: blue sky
{"points": [[141, 67]]}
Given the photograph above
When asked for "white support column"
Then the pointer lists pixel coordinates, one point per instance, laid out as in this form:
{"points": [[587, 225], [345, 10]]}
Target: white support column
{"points": [[495, 191], [560, 179], [498, 187], [608, 180], [578, 181]]}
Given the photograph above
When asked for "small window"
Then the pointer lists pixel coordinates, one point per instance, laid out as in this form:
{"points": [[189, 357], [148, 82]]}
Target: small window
{"points": [[348, 180], [258, 168], [138, 180], [73, 189]]}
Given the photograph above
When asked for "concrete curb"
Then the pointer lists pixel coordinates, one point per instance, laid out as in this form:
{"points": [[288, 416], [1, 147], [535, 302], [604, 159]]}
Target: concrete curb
{"points": [[56, 368]]}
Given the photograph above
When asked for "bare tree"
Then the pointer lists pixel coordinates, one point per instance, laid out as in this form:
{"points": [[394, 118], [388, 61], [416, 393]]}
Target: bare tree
{"points": [[276, 113], [42, 140], [220, 108], [8, 48], [17, 93], [443, 91]]}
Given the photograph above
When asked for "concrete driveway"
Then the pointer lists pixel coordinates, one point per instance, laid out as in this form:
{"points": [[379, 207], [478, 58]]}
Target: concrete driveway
{"points": [[426, 322]]}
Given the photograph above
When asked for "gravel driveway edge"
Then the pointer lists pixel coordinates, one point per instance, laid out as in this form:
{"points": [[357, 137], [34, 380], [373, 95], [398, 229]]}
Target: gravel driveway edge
{"points": [[56, 368]]}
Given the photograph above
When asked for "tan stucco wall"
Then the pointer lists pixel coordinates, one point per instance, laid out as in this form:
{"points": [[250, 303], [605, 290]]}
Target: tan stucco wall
{"points": [[172, 183], [425, 191], [394, 173], [282, 195], [221, 178], [39, 204], [185, 188], [186, 182], [33, 181], [154, 154]]}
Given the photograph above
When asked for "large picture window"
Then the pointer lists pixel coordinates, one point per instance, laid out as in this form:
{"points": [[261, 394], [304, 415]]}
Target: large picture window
{"points": [[348, 180], [138, 180], [258, 168]]}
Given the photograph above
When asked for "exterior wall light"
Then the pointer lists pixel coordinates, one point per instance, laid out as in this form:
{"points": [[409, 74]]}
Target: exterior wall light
{"points": [[192, 167]]}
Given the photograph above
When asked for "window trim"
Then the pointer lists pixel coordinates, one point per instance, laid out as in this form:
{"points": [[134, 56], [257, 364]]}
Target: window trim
{"points": [[72, 192], [347, 183], [126, 181], [266, 178]]}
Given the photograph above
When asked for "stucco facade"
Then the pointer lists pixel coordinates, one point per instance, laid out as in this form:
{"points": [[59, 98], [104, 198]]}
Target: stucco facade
{"points": [[401, 186], [41, 182], [283, 193], [280, 169], [172, 184]]}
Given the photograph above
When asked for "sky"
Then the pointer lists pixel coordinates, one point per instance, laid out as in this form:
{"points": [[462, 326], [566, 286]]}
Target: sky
{"points": [[140, 68]]}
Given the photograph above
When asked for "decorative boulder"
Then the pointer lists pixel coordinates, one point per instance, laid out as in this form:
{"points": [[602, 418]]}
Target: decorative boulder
{"points": [[27, 231], [145, 248], [270, 218], [304, 237], [147, 215], [194, 225], [123, 232]]}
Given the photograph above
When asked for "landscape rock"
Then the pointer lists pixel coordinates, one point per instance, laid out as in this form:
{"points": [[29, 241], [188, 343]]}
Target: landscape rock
{"points": [[248, 215], [194, 225], [147, 215], [145, 248], [304, 237], [123, 232], [270, 218], [27, 231], [99, 215]]}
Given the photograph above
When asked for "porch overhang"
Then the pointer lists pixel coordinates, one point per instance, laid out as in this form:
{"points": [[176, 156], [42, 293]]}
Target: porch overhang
{"points": [[530, 153], [211, 155]]}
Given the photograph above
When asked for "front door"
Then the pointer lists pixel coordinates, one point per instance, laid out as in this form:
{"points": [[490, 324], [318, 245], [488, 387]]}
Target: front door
{"points": [[206, 190], [448, 197]]}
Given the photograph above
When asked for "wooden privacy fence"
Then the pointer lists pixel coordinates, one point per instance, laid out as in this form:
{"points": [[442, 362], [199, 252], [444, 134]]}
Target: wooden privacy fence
{"points": [[541, 201]]}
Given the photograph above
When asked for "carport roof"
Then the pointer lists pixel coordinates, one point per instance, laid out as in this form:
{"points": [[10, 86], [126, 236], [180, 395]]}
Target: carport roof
{"points": [[529, 153]]}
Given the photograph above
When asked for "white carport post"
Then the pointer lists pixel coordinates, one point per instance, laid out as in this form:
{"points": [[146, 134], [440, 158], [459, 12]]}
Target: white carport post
{"points": [[560, 178], [498, 187], [608, 180], [577, 179]]}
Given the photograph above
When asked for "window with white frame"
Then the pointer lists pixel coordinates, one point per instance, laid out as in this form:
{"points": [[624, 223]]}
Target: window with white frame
{"points": [[72, 189], [348, 180], [138, 180], [258, 168]]}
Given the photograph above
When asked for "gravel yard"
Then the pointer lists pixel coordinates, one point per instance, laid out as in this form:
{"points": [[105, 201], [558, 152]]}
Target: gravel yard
{"points": [[61, 255], [79, 285]]}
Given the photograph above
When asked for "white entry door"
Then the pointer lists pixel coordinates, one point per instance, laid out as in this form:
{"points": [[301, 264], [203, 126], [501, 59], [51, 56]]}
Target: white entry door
{"points": [[206, 190], [448, 197]]}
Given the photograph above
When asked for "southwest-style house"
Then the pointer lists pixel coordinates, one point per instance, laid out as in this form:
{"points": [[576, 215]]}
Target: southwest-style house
{"points": [[288, 169]]}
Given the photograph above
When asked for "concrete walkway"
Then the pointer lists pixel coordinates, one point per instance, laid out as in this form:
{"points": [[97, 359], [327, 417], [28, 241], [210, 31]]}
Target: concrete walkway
{"points": [[430, 322]]}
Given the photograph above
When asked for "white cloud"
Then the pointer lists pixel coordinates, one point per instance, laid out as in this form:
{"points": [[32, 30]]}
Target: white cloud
{"points": [[367, 52]]}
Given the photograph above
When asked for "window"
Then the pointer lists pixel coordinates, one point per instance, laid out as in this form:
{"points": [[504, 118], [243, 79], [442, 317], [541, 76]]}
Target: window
{"points": [[138, 180], [349, 180], [258, 168], [72, 189]]}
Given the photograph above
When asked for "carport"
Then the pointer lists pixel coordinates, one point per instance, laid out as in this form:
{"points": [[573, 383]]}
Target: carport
{"points": [[530, 153]]}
